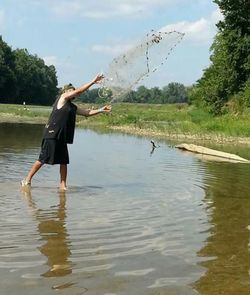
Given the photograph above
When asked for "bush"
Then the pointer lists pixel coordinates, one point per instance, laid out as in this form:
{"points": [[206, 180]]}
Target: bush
{"points": [[245, 94], [239, 102]]}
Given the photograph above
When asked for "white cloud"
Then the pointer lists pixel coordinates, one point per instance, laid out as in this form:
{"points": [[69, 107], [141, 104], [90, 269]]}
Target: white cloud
{"points": [[195, 31], [202, 30], [57, 62], [104, 8], [65, 68], [112, 50], [216, 16], [51, 60], [65, 8]]}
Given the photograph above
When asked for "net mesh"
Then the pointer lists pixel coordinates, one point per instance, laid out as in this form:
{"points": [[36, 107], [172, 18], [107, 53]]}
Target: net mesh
{"points": [[128, 69]]}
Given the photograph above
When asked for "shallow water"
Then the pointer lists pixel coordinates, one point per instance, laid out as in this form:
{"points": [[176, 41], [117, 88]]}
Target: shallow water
{"points": [[131, 222]]}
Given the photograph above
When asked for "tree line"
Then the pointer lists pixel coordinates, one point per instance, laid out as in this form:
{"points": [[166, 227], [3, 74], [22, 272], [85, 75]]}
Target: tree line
{"points": [[25, 77], [172, 93], [226, 82]]}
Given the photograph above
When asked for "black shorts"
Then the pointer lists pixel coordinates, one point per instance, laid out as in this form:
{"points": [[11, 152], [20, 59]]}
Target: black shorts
{"points": [[53, 152]]}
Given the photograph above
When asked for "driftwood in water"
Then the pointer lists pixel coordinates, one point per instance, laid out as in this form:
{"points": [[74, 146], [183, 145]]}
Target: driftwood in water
{"points": [[211, 154]]}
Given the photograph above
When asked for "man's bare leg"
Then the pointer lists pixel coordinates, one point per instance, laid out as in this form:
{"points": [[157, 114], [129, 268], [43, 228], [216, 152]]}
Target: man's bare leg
{"points": [[36, 166], [63, 177]]}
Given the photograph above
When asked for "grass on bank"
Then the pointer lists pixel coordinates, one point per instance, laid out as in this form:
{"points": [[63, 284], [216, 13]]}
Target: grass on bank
{"points": [[166, 119], [14, 113]]}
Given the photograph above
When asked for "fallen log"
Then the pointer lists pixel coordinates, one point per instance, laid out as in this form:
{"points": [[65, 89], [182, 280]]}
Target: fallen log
{"points": [[211, 154]]}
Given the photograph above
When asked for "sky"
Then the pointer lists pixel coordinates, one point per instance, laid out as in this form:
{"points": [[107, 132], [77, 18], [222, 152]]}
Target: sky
{"points": [[81, 37]]}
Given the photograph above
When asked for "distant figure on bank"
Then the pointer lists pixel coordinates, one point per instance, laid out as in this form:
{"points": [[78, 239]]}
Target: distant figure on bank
{"points": [[60, 131]]}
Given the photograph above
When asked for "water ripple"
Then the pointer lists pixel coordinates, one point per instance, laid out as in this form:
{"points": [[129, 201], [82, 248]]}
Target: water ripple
{"points": [[142, 231]]}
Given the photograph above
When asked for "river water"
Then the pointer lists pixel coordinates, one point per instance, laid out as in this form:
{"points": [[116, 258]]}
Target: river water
{"points": [[132, 221]]}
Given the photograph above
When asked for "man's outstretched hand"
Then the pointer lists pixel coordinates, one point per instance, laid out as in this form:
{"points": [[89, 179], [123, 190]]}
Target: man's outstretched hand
{"points": [[98, 78], [106, 109]]}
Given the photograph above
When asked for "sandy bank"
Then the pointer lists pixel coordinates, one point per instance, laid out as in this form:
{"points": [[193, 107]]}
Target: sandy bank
{"points": [[209, 137]]}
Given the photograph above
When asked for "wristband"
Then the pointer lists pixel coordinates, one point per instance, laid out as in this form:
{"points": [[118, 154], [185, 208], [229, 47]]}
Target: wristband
{"points": [[101, 110]]}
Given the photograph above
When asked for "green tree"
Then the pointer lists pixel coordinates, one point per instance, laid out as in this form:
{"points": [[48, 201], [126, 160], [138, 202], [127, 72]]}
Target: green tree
{"points": [[142, 94], [36, 82], [155, 95], [230, 59], [174, 93], [7, 72], [130, 96], [25, 77]]}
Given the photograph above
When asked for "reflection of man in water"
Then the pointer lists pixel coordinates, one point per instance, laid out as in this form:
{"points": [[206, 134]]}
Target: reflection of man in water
{"points": [[51, 226]]}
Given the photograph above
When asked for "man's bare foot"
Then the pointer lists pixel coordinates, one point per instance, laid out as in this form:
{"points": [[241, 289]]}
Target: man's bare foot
{"points": [[62, 189], [25, 183]]}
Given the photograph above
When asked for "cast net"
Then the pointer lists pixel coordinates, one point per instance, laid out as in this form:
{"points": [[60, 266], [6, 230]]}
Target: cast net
{"points": [[129, 69]]}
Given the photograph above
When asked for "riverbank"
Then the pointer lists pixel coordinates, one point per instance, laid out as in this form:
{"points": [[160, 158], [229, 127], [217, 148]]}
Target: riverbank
{"points": [[164, 121], [216, 138]]}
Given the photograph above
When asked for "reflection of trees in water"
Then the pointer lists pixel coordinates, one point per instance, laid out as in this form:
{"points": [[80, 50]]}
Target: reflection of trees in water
{"points": [[228, 205], [51, 226], [20, 136]]}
